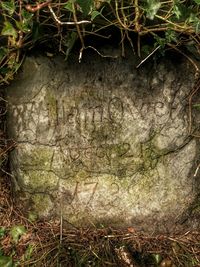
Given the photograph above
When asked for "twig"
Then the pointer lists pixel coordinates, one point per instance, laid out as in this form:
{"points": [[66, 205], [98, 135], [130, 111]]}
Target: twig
{"points": [[105, 56], [118, 17], [197, 169], [8, 148], [78, 31], [67, 22], [137, 17], [37, 7], [196, 88], [148, 57]]}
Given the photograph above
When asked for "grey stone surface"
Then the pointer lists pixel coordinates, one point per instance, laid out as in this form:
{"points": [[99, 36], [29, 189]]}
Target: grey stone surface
{"points": [[103, 142]]}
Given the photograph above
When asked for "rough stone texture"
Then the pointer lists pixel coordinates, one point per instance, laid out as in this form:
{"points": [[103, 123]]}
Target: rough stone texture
{"points": [[104, 142]]}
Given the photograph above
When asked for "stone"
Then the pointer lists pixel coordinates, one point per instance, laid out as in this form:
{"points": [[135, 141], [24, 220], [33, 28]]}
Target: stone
{"points": [[104, 143]]}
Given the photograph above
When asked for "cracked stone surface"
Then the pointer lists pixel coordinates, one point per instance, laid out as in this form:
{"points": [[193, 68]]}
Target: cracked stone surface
{"points": [[104, 142]]}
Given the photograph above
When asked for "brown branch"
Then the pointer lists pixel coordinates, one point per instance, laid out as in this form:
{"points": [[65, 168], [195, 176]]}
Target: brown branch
{"points": [[34, 9]]}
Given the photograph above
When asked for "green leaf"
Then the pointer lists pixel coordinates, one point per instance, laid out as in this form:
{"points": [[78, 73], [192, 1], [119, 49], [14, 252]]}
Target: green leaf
{"points": [[157, 258], [195, 22], [9, 6], [16, 232], [181, 12], [26, 24], [4, 70], [170, 36], [28, 252], [94, 14], [27, 16], [177, 12], [160, 41], [69, 5], [197, 2], [6, 261], [9, 30], [85, 5], [2, 229], [152, 8]]}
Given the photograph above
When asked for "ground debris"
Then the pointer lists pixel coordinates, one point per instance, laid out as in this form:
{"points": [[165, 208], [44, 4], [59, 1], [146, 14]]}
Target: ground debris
{"points": [[42, 245]]}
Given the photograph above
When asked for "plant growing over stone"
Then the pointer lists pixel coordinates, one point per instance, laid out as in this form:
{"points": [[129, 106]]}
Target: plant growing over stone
{"points": [[25, 24]]}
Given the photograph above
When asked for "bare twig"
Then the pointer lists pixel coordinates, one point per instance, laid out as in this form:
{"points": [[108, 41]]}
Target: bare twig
{"points": [[105, 56], [137, 17], [196, 88], [197, 169], [37, 7], [67, 22], [148, 57]]}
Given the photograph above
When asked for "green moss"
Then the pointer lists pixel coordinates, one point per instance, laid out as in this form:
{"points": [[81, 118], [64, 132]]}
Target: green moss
{"points": [[81, 176], [51, 103], [38, 156], [150, 155], [40, 181], [41, 204]]}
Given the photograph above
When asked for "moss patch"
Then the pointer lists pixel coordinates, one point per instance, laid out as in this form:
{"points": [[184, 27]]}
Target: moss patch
{"points": [[40, 181], [41, 204], [38, 156]]}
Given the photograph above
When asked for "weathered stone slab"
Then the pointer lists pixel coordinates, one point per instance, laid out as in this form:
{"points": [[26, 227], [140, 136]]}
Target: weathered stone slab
{"points": [[104, 142]]}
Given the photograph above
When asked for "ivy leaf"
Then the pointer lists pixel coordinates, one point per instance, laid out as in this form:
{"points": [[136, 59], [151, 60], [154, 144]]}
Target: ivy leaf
{"points": [[94, 14], [16, 232], [160, 41], [177, 12], [9, 30], [195, 21], [86, 6], [152, 8], [27, 16], [69, 6], [181, 12], [26, 24], [6, 261], [9, 6], [170, 36]]}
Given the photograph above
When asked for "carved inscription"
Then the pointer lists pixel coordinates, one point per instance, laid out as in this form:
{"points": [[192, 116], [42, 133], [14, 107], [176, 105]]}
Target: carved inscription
{"points": [[113, 148], [60, 113]]}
